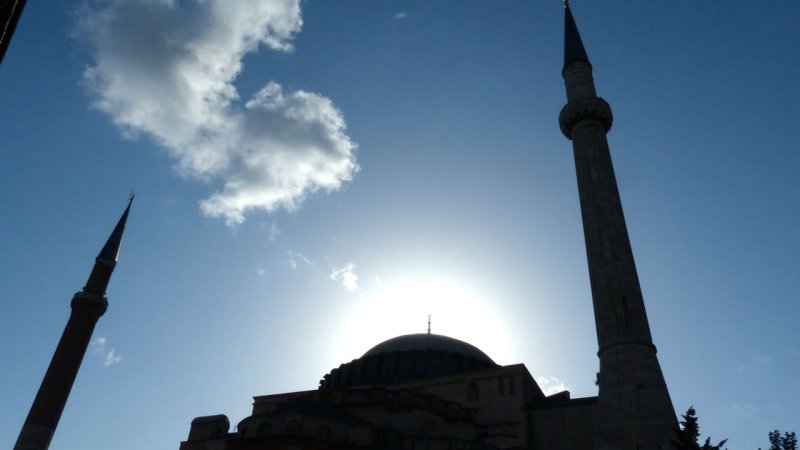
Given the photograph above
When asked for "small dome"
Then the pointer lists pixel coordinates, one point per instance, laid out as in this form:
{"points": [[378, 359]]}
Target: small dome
{"points": [[428, 342]]}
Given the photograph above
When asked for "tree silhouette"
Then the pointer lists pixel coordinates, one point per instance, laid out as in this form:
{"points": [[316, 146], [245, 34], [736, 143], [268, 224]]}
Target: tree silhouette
{"points": [[688, 434], [786, 442], [789, 441]]}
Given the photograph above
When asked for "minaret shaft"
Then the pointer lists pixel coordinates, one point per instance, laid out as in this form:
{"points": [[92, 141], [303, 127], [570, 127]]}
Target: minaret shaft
{"points": [[45, 413], [634, 410], [88, 306], [617, 297]]}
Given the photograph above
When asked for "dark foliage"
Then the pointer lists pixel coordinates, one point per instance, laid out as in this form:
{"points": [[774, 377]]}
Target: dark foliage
{"points": [[687, 436], [787, 441]]}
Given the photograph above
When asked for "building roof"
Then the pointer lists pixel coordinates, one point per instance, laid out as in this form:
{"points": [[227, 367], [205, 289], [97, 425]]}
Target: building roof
{"points": [[428, 342]]}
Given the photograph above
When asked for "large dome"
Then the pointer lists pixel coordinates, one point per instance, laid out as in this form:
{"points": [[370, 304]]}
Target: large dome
{"points": [[428, 342], [408, 357]]}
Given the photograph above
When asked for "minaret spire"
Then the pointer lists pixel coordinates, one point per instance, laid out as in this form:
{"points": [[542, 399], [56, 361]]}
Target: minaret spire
{"points": [[634, 410], [573, 45], [110, 251], [87, 307], [106, 260]]}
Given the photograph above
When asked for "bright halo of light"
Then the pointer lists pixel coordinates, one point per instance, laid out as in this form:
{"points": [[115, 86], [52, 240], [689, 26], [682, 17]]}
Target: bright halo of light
{"points": [[399, 306]]}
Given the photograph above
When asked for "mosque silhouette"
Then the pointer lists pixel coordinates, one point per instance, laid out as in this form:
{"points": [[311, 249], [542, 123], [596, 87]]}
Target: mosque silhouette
{"points": [[433, 392]]}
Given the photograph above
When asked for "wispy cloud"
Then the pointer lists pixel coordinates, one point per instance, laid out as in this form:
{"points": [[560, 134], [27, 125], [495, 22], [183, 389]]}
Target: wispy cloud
{"points": [[551, 385], [346, 276], [755, 362], [99, 348], [274, 232], [174, 82], [745, 411], [296, 258], [400, 15]]}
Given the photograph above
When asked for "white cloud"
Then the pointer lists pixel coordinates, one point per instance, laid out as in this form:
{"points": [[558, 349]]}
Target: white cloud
{"points": [[98, 345], [99, 348], [400, 15], [294, 258], [166, 69], [346, 276], [111, 358], [551, 385]]}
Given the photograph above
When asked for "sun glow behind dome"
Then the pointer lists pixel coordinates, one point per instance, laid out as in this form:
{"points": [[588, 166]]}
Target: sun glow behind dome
{"points": [[400, 306]]}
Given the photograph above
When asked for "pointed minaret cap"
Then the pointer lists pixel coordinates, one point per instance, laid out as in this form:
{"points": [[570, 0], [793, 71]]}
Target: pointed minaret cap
{"points": [[573, 45], [107, 259], [110, 251]]}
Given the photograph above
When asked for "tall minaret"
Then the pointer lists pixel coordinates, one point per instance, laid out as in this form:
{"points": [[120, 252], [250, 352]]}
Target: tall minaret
{"points": [[634, 411], [87, 307]]}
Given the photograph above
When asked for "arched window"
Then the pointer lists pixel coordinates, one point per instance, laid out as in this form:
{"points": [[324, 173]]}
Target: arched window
{"points": [[473, 393]]}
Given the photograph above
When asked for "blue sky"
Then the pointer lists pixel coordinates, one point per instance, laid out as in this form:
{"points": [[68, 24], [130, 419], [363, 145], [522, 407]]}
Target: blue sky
{"points": [[313, 178]]}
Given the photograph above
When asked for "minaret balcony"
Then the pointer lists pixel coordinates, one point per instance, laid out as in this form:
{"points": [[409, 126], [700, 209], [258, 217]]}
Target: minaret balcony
{"points": [[585, 108]]}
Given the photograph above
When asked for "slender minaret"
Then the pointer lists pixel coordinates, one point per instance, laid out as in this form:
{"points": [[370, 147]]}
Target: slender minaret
{"points": [[634, 411], [87, 307]]}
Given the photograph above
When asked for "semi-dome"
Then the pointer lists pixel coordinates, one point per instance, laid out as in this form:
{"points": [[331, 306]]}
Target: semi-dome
{"points": [[426, 342], [408, 357]]}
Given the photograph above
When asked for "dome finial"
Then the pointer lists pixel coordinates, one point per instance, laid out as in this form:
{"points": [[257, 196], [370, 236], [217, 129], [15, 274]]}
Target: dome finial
{"points": [[429, 323]]}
